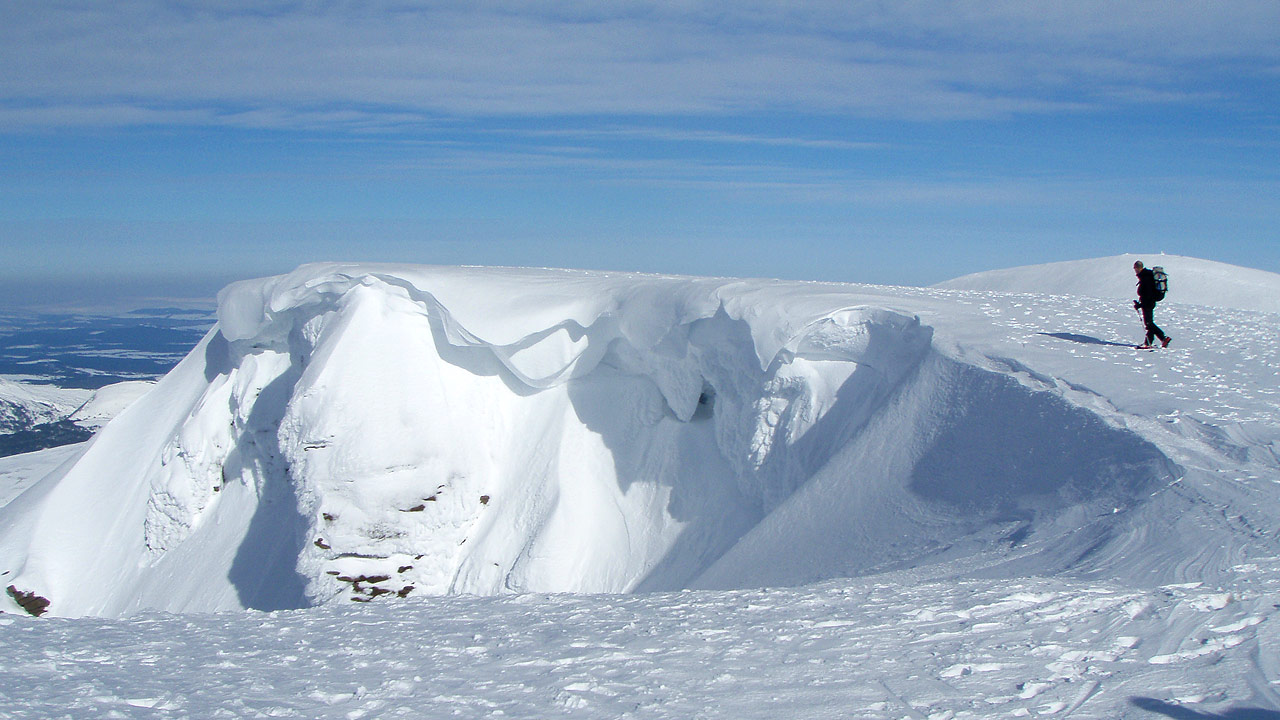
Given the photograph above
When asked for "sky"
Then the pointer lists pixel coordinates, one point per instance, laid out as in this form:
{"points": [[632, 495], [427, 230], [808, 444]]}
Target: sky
{"points": [[165, 148]]}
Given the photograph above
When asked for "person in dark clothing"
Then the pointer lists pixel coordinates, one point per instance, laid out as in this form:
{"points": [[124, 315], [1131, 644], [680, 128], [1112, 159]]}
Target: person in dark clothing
{"points": [[1146, 304]]}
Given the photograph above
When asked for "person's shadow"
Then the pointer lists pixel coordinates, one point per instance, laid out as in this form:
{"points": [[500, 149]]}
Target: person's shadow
{"points": [[1179, 712], [1085, 339]]}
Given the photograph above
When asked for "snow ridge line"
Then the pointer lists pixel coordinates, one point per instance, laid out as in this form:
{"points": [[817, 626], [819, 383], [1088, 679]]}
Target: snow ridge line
{"points": [[281, 445], [258, 311]]}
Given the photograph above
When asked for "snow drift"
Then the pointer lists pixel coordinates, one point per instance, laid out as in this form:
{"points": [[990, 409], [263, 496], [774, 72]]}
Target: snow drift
{"points": [[357, 431]]}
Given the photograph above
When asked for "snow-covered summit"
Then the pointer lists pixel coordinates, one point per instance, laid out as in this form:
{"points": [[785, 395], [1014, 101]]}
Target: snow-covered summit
{"points": [[359, 432], [1192, 280], [108, 401]]}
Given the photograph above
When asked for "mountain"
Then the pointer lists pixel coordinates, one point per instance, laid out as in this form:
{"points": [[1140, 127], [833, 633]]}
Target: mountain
{"points": [[108, 401], [23, 405], [33, 417], [873, 502], [1191, 280], [361, 432], [42, 416]]}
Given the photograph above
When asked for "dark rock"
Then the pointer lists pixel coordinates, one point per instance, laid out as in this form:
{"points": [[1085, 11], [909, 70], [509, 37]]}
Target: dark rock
{"points": [[29, 601]]}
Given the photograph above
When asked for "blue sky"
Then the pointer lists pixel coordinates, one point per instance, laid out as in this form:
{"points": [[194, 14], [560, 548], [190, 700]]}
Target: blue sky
{"points": [[167, 147]]}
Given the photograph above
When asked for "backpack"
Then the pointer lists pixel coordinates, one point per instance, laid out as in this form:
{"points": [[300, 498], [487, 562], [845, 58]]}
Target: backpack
{"points": [[1162, 282]]}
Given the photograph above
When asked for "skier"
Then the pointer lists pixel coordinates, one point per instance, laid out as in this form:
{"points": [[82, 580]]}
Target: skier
{"points": [[1146, 305]]}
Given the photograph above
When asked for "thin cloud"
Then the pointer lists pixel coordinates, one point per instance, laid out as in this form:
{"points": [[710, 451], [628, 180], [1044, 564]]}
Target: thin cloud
{"points": [[117, 114], [672, 135], [389, 65]]}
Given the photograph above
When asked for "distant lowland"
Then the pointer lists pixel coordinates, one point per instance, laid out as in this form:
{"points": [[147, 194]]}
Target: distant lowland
{"points": [[90, 351]]}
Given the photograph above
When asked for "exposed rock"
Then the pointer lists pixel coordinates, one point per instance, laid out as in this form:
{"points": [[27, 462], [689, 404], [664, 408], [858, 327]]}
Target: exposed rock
{"points": [[29, 601]]}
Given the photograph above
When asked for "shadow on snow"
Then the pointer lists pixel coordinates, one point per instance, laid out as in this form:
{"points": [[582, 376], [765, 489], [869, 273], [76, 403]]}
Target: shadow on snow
{"points": [[1178, 712], [1085, 339]]}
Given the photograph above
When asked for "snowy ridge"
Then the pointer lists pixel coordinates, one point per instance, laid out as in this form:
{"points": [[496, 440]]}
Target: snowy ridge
{"points": [[108, 401], [1192, 280], [23, 405], [350, 432], [34, 417]]}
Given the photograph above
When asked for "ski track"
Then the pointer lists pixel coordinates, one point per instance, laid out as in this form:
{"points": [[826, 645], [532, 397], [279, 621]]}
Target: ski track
{"points": [[863, 648]]}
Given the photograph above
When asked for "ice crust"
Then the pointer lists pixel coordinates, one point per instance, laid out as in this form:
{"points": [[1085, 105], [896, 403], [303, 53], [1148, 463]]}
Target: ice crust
{"points": [[361, 431]]}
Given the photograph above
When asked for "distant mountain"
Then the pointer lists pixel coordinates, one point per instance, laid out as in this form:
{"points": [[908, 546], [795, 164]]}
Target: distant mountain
{"points": [[1191, 280], [23, 405], [109, 401], [35, 417], [44, 435]]}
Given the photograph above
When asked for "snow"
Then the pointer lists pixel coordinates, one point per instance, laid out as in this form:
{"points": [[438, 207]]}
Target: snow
{"points": [[863, 648], [27, 406], [1191, 280], [19, 472], [561, 493], [108, 401], [23, 405]]}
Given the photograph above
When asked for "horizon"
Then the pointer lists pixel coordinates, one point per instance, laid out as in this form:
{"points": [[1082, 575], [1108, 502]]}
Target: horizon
{"points": [[93, 296], [165, 149]]}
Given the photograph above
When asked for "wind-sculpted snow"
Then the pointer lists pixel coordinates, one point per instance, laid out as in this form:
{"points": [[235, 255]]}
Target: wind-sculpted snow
{"points": [[362, 432]]}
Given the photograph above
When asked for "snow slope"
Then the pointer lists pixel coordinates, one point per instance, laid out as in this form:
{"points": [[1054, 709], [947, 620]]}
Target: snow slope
{"points": [[23, 405], [1191, 280], [34, 416], [350, 432], [19, 472], [108, 401], [1008, 510]]}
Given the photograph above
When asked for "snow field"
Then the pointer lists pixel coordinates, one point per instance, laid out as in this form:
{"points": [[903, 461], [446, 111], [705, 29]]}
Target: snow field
{"points": [[1191, 281], [23, 405], [343, 435], [869, 648], [108, 401], [961, 503], [19, 472], [611, 451]]}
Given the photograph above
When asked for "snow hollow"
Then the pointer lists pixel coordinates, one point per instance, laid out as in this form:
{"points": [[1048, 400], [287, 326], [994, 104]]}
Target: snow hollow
{"points": [[371, 432]]}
